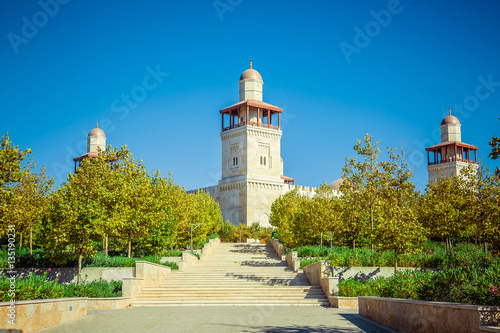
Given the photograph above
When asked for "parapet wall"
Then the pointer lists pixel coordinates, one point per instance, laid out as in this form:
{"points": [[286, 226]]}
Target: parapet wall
{"points": [[423, 316]]}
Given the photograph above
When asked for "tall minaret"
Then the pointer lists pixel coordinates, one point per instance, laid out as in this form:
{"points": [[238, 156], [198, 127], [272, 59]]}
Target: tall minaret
{"points": [[451, 155], [251, 153]]}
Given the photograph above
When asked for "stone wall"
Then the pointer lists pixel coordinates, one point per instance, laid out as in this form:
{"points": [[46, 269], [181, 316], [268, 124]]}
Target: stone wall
{"points": [[428, 317], [33, 315], [278, 247], [343, 302], [146, 275], [293, 261]]}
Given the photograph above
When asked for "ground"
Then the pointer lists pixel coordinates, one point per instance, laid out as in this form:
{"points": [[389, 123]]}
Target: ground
{"points": [[207, 319]]}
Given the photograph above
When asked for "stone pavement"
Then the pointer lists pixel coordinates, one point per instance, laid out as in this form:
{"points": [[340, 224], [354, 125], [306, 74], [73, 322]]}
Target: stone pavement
{"points": [[220, 319]]}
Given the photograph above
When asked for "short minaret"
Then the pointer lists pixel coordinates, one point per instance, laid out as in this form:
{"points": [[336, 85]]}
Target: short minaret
{"points": [[251, 85], [451, 155], [96, 141]]}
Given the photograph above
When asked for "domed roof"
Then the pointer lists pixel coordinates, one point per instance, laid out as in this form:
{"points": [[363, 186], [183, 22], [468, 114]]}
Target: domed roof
{"points": [[97, 131], [336, 184], [250, 73], [450, 120]]}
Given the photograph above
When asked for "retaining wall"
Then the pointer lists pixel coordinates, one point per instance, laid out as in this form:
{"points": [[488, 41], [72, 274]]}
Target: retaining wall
{"points": [[427, 317]]}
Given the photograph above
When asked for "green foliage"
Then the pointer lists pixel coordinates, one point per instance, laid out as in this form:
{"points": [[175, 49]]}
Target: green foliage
{"points": [[94, 289], [304, 263], [37, 287], [475, 283], [101, 260]]}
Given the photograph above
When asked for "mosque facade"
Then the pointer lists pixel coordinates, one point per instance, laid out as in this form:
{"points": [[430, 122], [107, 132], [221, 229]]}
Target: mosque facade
{"points": [[252, 167]]}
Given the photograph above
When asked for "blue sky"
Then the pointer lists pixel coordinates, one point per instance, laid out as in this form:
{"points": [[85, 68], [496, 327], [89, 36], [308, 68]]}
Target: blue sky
{"points": [[339, 69]]}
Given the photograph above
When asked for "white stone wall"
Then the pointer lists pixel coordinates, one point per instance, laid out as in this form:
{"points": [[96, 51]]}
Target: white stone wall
{"points": [[444, 170], [93, 142], [451, 132], [251, 89]]}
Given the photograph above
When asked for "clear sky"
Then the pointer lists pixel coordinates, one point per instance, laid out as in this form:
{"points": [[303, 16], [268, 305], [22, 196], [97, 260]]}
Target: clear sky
{"points": [[339, 70]]}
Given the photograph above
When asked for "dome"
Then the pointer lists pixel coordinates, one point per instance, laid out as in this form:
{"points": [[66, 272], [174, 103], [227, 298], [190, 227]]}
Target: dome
{"points": [[336, 184], [450, 120], [250, 74], [97, 131]]}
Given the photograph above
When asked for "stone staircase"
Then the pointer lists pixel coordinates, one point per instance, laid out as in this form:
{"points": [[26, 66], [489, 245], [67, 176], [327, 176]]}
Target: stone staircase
{"points": [[235, 274]]}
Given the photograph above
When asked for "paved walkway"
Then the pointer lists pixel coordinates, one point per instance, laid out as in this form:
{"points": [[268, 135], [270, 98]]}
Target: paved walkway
{"points": [[220, 319]]}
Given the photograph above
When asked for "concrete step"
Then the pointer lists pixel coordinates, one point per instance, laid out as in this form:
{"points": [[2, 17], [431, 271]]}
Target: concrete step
{"points": [[235, 275]]}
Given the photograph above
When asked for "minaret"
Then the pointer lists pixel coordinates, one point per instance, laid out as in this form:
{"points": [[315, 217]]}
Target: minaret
{"points": [[251, 153], [96, 141], [251, 85], [451, 155]]}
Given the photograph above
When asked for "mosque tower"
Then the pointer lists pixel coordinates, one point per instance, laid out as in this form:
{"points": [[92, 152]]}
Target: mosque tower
{"points": [[96, 141], [451, 155], [252, 168]]}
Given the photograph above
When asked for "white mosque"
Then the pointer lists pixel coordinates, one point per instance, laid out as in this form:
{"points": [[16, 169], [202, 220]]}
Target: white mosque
{"points": [[252, 167]]}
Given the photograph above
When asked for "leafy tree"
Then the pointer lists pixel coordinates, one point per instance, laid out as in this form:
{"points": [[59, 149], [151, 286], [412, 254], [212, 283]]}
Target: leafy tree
{"points": [[399, 228], [483, 206], [32, 194], [135, 211], [162, 236], [78, 213], [495, 150], [287, 213], [11, 172], [444, 207], [363, 180]]}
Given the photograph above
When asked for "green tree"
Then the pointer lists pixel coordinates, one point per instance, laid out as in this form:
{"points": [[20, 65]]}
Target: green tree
{"points": [[135, 210], [364, 181], [483, 205], [78, 211], [444, 208], [32, 193], [163, 236], [11, 172], [495, 151], [286, 216], [399, 228]]}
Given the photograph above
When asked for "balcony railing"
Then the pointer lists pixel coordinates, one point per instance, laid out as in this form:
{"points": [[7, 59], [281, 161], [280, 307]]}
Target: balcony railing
{"points": [[250, 123], [452, 159]]}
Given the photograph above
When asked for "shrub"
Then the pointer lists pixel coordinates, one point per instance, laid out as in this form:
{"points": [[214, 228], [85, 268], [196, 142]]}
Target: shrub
{"points": [[470, 284], [37, 287]]}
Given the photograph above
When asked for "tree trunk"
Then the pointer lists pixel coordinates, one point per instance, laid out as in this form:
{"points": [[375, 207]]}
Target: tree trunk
{"points": [[331, 242], [79, 281], [485, 247], [106, 248], [371, 222], [20, 240], [395, 261], [31, 240], [321, 240], [354, 244], [129, 246]]}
